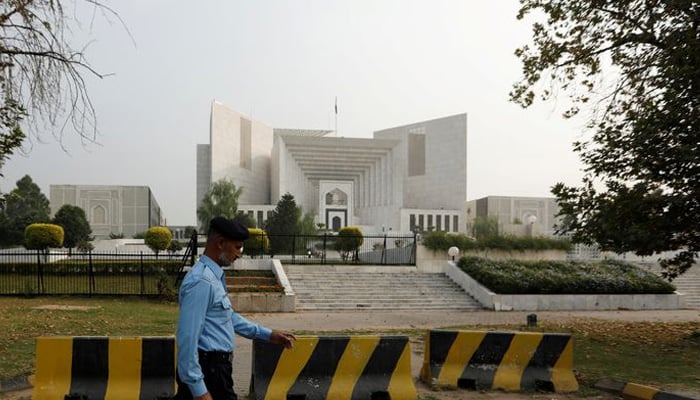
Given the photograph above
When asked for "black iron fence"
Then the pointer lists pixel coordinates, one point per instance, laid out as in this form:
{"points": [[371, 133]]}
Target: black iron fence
{"points": [[335, 249], [92, 273], [59, 272]]}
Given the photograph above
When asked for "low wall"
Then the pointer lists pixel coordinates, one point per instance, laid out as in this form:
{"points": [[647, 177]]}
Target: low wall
{"points": [[569, 302], [264, 301]]}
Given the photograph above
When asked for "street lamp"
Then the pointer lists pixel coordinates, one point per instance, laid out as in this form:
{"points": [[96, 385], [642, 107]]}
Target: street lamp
{"points": [[453, 252]]}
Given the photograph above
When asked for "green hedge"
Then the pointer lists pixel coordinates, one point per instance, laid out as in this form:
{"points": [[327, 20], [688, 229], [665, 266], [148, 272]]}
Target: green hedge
{"points": [[563, 277], [443, 241], [99, 267]]}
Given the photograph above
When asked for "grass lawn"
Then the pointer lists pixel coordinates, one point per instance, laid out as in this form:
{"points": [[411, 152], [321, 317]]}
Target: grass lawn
{"points": [[661, 354]]}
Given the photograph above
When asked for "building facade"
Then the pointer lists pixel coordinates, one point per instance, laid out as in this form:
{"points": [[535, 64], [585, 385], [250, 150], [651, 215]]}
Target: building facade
{"points": [[532, 216], [389, 182], [126, 210]]}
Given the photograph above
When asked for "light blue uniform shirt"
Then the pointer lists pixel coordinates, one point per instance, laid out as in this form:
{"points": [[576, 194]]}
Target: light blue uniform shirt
{"points": [[207, 321]]}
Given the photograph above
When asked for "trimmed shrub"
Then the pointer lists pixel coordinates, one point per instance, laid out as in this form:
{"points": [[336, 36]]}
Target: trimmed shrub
{"points": [[43, 236], [563, 277], [258, 242], [443, 241], [348, 241], [157, 238]]}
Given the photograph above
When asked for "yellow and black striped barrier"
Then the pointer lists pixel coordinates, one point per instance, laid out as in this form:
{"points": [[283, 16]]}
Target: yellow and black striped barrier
{"points": [[334, 367], [104, 368], [511, 361]]}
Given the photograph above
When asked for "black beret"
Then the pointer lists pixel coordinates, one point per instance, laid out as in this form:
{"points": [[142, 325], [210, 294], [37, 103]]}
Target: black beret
{"points": [[228, 228]]}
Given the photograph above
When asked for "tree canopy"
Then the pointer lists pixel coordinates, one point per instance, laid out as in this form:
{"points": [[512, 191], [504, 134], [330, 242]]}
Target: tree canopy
{"points": [[25, 205], [635, 65], [42, 74], [76, 227], [283, 223], [222, 200]]}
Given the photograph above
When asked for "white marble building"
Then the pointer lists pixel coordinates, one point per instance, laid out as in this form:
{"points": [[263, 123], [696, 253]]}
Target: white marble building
{"points": [[126, 210], [400, 179], [532, 216]]}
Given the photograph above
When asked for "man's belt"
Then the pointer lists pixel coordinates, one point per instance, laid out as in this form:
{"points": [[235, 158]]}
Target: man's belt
{"points": [[220, 356]]}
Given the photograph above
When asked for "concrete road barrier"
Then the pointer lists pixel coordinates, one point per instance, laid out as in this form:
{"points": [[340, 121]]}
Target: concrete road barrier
{"points": [[104, 368], [334, 367], [511, 361]]}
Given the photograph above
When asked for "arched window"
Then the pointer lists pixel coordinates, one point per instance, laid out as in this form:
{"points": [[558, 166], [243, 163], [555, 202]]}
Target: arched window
{"points": [[99, 215], [336, 197]]}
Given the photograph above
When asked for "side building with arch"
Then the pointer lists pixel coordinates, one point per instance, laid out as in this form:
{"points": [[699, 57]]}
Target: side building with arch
{"points": [[407, 178], [126, 210]]}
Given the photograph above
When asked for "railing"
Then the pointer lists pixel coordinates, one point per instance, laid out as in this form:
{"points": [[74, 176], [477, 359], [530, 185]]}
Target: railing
{"points": [[60, 272], [93, 273], [335, 249]]}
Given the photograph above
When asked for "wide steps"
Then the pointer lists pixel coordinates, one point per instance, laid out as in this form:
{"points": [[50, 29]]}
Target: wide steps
{"points": [[688, 284], [352, 290]]}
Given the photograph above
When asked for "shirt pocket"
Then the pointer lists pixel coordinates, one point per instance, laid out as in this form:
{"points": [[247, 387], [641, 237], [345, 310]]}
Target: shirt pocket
{"points": [[221, 310]]}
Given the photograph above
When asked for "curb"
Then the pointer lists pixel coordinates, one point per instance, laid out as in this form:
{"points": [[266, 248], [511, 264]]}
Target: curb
{"points": [[16, 383], [635, 391]]}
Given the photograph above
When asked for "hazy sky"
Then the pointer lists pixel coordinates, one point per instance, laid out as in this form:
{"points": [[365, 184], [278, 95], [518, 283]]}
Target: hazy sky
{"points": [[390, 63]]}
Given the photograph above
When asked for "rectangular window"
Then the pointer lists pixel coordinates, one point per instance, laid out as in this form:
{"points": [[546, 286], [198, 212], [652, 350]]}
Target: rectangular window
{"points": [[260, 219], [447, 223], [455, 223], [246, 143], [430, 222], [438, 222], [412, 222], [416, 154], [269, 215], [420, 222]]}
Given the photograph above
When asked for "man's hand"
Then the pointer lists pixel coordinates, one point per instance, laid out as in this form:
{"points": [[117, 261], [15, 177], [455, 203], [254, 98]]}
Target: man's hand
{"points": [[205, 396], [284, 338]]}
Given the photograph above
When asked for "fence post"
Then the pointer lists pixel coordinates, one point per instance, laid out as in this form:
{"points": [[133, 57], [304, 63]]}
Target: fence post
{"points": [[143, 285], [91, 274], [39, 274], [294, 239], [323, 256], [383, 262], [194, 247], [415, 245]]}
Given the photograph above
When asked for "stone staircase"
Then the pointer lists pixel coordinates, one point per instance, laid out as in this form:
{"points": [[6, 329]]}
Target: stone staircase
{"points": [[689, 285], [375, 288]]}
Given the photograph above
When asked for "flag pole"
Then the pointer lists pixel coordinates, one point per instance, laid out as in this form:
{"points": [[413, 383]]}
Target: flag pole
{"points": [[336, 115]]}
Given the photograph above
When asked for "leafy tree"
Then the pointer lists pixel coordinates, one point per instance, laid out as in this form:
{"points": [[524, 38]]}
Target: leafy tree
{"points": [[283, 224], [307, 226], [638, 63], [174, 247], [85, 246], [189, 230], [75, 225], [246, 219], [25, 205], [485, 227], [258, 243], [42, 73], [348, 242], [220, 200], [43, 236], [157, 238]]}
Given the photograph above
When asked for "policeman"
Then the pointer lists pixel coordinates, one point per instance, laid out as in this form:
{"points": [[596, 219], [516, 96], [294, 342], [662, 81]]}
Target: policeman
{"points": [[207, 323]]}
